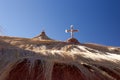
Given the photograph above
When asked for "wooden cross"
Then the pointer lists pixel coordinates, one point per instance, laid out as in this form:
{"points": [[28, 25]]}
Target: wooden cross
{"points": [[71, 31]]}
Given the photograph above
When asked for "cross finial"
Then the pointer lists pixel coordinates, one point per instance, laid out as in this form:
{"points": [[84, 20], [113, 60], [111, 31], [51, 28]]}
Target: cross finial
{"points": [[71, 31]]}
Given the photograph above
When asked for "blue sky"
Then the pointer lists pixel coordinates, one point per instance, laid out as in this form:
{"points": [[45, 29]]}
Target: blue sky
{"points": [[98, 21]]}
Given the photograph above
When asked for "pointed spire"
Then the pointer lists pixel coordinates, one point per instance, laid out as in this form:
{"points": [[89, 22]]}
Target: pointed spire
{"points": [[42, 36]]}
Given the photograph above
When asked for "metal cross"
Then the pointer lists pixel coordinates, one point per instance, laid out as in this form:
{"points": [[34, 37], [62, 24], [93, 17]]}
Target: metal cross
{"points": [[71, 31]]}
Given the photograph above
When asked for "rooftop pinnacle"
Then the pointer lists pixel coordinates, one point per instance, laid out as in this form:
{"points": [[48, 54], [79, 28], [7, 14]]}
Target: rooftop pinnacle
{"points": [[71, 31], [72, 39], [42, 36]]}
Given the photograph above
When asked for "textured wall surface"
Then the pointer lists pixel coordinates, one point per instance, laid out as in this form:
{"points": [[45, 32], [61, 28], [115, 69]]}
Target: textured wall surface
{"points": [[32, 59]]}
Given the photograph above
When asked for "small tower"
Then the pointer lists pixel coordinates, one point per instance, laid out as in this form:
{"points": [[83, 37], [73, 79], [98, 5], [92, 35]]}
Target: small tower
{"points": [[42, 36], [72, 39]]}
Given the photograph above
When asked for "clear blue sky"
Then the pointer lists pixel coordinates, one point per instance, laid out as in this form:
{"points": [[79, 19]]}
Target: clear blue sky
{"points": [[98, 21]]}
